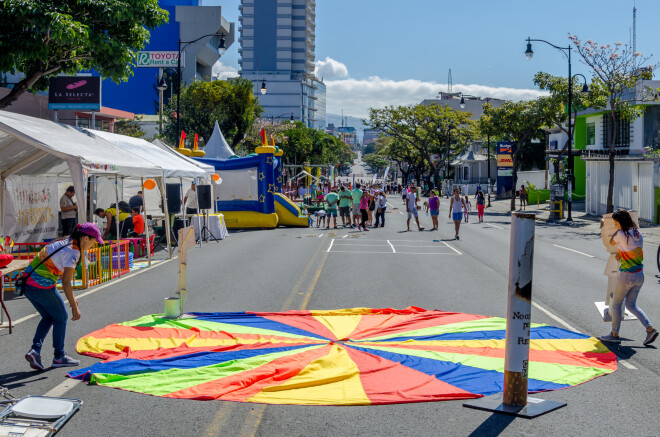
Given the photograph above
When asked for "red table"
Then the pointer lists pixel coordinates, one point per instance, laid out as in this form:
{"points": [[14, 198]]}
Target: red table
{"points": [[14, 266]]}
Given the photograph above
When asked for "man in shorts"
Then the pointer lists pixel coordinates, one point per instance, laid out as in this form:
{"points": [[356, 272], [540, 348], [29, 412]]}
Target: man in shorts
{"points": [[412, 200], [332, 199], [345, 202], [357, 215]]}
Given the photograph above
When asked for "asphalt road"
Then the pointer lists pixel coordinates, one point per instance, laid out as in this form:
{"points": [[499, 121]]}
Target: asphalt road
{"points": [[285, 269]]}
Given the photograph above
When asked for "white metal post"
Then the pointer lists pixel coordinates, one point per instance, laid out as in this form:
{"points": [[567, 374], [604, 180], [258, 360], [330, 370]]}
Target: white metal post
{"points": [[116, 226]]}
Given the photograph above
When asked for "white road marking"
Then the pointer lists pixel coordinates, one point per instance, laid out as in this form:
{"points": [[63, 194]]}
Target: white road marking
{"points": [[320, 235], [447, 244], [61, 389], [391, 253], [388, 242], [345, 236], [495, 226], [627, 365], [87, 293], [331, 243], [554, 317], [573, 250]]}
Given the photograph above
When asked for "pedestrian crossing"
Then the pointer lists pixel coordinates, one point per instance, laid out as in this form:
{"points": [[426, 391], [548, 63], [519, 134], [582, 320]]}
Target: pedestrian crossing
{"points": [[392, 247]]}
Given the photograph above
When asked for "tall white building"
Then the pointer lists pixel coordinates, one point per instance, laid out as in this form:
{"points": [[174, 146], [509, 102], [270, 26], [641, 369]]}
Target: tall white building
{"points": [[277, 40]]}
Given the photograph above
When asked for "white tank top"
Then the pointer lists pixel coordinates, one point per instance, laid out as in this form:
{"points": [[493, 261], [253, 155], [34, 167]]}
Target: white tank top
{"points": [[456, 205]]}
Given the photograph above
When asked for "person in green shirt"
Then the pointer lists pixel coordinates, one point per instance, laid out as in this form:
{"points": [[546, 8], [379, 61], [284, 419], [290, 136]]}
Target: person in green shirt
{"points": [[345, 202], [356, 195], [332, 198]]}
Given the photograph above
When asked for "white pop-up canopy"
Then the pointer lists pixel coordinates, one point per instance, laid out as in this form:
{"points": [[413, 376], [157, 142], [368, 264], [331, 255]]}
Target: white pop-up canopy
{"points": [[36, 147], [217, 147], [173, 164]]}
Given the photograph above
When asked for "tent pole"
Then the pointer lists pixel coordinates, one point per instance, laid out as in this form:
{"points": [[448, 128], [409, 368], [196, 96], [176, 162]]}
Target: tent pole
{"points": [[199, 213], [117, 223], [168, 231], [146, 221], [183, 204], [3, 186]]}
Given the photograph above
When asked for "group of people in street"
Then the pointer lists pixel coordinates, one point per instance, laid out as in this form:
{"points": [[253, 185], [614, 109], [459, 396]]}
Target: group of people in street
{"points": [[362, 207]]}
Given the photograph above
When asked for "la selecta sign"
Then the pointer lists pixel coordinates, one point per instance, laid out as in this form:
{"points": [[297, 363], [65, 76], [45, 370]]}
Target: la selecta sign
{"points": [[158, 59]]}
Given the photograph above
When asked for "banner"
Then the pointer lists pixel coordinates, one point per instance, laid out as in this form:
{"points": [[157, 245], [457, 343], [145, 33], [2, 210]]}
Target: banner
{"points": [[74, 92], [504, 154], [31, 208], [387, 170]]}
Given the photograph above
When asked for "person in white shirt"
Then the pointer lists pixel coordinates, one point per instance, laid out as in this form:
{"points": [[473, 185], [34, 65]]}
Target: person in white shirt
{"points": [[69, 211], [190, 200], [412, 200], [381, 204]]}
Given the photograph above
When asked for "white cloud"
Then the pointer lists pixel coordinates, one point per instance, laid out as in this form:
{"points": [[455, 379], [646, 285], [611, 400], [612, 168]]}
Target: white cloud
{"points": [[330, 69], [224, 72], [356, 96]]}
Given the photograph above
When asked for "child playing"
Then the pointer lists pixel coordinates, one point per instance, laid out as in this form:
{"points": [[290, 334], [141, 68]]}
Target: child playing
{"points": [[320, 217], [467, 207]]}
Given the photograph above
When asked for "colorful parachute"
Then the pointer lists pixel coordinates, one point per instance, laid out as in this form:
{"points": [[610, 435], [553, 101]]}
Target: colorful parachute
{"points": [[341, 357]]}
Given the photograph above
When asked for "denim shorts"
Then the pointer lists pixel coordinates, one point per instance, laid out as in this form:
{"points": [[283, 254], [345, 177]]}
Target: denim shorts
{"points": [[457, 216], [436, 212]]}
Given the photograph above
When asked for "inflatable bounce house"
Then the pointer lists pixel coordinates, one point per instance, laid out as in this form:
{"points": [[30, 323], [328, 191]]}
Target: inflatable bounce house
{"points": [[251, 192]]}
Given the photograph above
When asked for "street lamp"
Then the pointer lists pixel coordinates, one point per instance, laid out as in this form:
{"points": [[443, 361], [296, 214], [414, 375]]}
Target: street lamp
{"points": [[291, 119], [488, 99], [529, 53], [263, 87], [222, 49]]}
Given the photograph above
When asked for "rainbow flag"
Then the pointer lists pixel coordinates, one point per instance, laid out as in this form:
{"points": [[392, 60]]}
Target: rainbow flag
{"points": [[357, 356]]}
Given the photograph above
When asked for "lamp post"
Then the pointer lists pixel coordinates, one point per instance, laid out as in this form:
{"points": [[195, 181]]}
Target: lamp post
{"points": [[222, 49], [263, 87], [529, 53], [291, 119], [488, 99]]}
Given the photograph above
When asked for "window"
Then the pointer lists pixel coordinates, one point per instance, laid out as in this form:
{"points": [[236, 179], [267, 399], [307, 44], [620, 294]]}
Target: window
{"points": [[466, 173], [622, 132], [591, 134]]}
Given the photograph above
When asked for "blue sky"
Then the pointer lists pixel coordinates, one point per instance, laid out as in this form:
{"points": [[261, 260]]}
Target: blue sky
{"points": [[398, 52]]}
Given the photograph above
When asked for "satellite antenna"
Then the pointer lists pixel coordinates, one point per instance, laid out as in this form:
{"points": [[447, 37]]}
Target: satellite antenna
{"points": [[634, 39]]}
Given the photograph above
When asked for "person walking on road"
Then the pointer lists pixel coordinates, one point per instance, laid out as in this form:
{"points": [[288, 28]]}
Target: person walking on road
{"points": [[345, 202], [355, 211], [467, 207], [404, 194], [434, 208], [381, 205], [481, 205], [372, 207], [630, 279], [364, 206], [456, 210], [332, 198], [58, 259], [412, 200]]}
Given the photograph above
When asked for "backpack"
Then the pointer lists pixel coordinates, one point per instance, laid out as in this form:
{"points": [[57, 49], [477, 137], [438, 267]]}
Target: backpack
{"points": [[123, 206]]}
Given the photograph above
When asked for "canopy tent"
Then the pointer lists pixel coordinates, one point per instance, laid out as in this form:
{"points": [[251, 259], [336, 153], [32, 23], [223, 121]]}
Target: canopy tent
{"points": [[36, 147], [217, 147]]}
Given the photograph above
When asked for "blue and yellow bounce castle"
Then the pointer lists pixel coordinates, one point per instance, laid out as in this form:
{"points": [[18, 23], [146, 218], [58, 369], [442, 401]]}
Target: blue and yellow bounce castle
{"points": [[250, 195]]}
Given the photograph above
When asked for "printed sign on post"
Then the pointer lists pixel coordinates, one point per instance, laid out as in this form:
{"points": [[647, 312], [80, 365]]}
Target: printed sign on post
{"points": [[159, 59]]}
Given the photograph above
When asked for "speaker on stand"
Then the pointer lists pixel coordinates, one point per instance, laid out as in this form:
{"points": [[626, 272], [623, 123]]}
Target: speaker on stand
{"points": [[173, 194], [205, 203]]}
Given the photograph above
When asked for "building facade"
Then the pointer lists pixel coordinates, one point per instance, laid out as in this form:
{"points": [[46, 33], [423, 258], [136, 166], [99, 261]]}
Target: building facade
{"points": [[636, 176], [189, 19], [277, 39]]}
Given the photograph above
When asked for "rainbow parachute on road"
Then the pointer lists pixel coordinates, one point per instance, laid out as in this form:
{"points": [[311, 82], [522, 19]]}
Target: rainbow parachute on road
{"points": [[342, 357]]}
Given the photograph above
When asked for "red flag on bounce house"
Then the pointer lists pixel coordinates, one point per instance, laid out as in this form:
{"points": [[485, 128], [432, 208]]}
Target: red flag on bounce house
{"points": [[196, 143], [263, 137], [183, 137]]}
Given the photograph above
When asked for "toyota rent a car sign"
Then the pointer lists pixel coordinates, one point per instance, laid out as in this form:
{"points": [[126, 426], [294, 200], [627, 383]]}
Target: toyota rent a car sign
{"points": [[158, 59]]}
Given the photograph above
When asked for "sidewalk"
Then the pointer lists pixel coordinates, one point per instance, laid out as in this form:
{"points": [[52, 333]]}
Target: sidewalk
{"points": [[588, 223]]}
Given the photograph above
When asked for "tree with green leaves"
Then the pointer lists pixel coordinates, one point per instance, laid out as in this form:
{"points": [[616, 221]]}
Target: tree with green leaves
{"points": [[44, 38], [426, 129], [229, 102], [128, 127], [555, 105], [517, 122], [616, 70]]}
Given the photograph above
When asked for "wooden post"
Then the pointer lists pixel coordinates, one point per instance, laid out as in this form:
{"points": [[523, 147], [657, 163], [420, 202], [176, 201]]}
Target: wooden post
{"points": [[186, 241]]}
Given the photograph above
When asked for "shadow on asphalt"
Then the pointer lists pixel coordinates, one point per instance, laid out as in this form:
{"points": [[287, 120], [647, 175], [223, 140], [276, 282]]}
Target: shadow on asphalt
{"points": [[20, 379], [493, 426]]}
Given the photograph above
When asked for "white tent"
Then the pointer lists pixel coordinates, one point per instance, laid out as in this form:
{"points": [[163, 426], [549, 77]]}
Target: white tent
{"points": [[217, 147], [36, 147]]}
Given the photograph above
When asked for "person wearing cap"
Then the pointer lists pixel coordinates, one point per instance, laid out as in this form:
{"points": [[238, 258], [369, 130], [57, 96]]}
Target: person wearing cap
{"points": [[69, 210], [41, 291]]}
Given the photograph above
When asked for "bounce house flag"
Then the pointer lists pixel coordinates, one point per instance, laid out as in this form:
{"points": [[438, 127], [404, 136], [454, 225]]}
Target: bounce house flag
{"points": [[272, 140], [263, 137], [196, 143], [183, 137]]}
